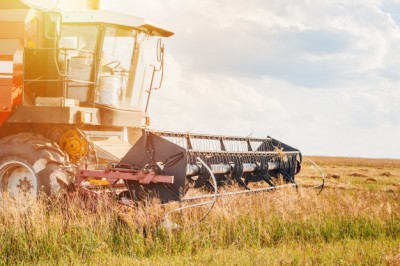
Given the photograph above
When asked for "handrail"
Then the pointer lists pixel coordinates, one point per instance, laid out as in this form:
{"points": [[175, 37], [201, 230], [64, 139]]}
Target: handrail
{"points": [[59, 80]]}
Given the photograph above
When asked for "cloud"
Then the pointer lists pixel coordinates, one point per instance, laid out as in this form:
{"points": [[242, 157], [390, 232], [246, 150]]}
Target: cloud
{"points": [[216, 104], [311, 44], [374, 107], [321, 75]]}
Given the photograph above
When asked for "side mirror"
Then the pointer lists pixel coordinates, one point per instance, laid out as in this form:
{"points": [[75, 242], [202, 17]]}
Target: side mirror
{"points": [[160, 59], [160, 50], [52, 25], [160, 69]]}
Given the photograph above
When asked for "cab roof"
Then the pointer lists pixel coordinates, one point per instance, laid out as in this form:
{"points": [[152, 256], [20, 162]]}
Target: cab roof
{"points": [[101, 16]]}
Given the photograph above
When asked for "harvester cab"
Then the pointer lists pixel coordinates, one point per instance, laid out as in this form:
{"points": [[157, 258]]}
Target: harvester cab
{"points": [[103, 59], [74, 93]]}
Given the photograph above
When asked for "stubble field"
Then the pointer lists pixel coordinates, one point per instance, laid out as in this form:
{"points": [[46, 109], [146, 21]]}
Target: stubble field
{"points": [[355, 220]]}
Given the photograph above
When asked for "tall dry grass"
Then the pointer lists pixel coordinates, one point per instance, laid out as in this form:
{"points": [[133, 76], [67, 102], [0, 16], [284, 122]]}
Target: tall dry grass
{"points": [[72, 232], [339, 226]]}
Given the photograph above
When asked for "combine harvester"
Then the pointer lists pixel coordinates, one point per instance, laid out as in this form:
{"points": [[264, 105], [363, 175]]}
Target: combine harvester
{"points": [[74, 94]]}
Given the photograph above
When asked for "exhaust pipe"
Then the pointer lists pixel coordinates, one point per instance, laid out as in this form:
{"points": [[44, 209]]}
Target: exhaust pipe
{"points": [[93, 4]]}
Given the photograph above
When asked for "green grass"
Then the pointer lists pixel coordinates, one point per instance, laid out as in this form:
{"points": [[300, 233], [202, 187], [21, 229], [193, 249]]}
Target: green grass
{"points": [[340, 226]]}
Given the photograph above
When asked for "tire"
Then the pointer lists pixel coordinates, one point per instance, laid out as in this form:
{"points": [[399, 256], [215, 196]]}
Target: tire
{"points": [[30, 165]]}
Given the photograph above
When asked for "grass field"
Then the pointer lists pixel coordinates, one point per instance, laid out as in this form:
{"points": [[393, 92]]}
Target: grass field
{"points": [[354, 221]]}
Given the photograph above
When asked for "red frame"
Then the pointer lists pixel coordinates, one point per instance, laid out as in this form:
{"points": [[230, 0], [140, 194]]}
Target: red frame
{"points": [[11, 87]]}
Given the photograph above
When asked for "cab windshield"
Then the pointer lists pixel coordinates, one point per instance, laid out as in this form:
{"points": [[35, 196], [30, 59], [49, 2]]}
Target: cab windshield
{"points": [[115, 86], [109, 66]]}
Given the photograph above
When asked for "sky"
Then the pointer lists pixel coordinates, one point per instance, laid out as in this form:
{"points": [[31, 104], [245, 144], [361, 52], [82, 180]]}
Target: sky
{"points": [[322, 76]]}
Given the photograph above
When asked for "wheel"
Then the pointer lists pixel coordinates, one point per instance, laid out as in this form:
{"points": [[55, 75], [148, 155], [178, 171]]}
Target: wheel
{"points": [[30, 164]]}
